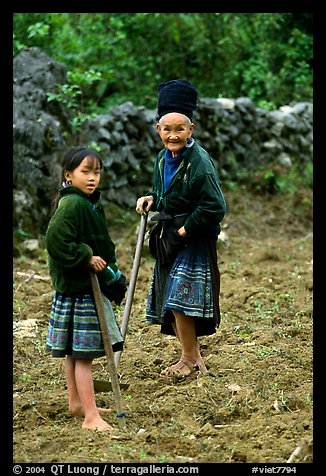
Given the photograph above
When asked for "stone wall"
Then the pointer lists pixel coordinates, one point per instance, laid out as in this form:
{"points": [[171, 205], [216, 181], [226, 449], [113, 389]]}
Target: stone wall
{"points": [[237, 134]]}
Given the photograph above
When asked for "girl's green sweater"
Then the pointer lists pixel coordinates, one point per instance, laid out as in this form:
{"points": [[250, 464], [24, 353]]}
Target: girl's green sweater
{"points": [[75, 233]]}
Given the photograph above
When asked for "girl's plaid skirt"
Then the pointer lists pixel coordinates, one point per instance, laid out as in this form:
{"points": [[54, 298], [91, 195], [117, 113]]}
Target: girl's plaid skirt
{"points": [[190, 286], [74, 328]]}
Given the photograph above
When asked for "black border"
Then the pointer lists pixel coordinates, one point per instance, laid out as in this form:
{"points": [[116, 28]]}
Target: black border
{"points": [[6, 280]]}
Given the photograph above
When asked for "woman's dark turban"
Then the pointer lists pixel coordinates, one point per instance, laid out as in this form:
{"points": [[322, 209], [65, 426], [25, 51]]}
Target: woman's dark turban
{"points": [[177, 95]]}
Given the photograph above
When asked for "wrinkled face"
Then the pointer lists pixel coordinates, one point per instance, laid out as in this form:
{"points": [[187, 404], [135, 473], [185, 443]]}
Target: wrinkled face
{"points": [[174, 129], [86, 176]]}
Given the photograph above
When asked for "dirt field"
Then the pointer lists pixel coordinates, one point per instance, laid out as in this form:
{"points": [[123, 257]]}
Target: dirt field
{"points": [[255, 403]]}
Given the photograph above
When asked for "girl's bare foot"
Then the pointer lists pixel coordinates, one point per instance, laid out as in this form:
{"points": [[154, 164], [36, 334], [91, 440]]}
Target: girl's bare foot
{"points": [[97, 424], [79, 411]]}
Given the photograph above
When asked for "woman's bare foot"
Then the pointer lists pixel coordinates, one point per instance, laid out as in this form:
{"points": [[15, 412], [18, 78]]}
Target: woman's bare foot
{"points": [[97, 424]]}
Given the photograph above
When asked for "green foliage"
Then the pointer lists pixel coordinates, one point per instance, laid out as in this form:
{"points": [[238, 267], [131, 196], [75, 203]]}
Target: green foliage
{"points": [[38, 30], [273, 179], [73, 96], [118, 57], [66, 95]]}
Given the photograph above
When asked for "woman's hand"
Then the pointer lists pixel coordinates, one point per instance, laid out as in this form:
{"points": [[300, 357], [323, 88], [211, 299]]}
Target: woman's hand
{"points": [[97, 263], [144, 204]]}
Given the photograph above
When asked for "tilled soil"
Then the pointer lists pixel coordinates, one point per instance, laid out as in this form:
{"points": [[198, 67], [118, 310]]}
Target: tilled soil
{"points": [[254, 405]]}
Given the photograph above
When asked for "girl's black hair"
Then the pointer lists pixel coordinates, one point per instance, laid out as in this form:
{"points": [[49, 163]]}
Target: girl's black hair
{"points": [[72, 158]]}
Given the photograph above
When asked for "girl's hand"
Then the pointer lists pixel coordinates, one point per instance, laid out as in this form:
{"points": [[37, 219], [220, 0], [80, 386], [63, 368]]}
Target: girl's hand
{"points": [[97, 263], [182, 231]]}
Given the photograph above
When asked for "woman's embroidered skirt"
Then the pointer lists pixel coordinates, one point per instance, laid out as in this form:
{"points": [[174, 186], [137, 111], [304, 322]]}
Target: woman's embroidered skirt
{"points": [[190, 286]]}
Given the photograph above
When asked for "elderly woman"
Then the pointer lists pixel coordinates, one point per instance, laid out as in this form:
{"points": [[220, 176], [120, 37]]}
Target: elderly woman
{"points": [[184, 291]]}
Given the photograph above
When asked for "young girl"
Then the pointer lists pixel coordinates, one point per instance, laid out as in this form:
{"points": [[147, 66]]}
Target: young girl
{"points": [[78, 242]]}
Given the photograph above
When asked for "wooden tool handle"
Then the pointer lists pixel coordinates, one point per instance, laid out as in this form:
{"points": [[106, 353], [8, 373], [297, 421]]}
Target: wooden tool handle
{"points": [[108, 349]]}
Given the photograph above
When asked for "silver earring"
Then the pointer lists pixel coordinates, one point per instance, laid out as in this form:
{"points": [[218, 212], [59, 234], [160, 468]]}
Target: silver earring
{"points": [[66, 183], [189, 142]]}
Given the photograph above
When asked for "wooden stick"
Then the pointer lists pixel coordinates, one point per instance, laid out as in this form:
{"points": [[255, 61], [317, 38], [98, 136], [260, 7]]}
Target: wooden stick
{"points": [[108, 349], [132, 283]]}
